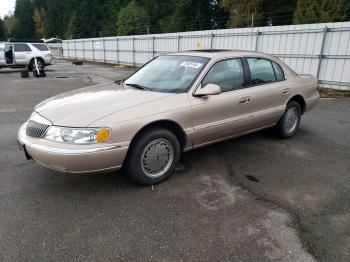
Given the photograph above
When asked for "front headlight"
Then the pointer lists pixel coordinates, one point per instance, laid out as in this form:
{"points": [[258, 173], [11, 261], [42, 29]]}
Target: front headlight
{"points": [[77, 135]]}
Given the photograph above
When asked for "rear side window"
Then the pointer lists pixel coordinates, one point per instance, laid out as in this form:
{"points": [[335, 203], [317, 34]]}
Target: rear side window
{"points": [[278, 71], [261, 70], [41, 47], [228, 74], [22, 48]]}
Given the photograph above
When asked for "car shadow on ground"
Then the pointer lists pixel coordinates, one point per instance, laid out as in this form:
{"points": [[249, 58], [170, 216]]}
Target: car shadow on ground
{"points": [[11, 71], [118, 179]]}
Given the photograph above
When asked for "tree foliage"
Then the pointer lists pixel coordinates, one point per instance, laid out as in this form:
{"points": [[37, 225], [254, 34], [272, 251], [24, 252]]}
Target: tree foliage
{"points": [[93, 18], [2, 30], [39, 16], [132, 19], [24, 26], [321, 11], [9, 25], [242, 12]]}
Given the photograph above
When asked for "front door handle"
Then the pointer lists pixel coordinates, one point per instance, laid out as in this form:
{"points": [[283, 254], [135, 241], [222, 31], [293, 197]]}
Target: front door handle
{"points": [[244, 100]]}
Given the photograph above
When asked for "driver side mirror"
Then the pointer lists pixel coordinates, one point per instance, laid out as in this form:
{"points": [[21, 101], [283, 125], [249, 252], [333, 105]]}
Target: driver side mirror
{"points": [[208, 90]]}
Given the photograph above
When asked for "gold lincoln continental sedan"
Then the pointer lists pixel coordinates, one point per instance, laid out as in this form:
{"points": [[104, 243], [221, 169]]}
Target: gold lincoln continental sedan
{"points": [[172, 104]]}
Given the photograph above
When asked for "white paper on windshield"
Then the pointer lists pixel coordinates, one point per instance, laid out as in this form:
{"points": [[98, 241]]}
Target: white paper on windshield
{"points": [[191, 64]]}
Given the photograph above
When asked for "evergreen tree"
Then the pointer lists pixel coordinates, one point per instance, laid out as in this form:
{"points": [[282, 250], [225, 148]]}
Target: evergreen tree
{"points": [[81, 22], [2, 31], [307, 11], [345, 14], [133, 19], [320, 11], [39, 17], [279, 12], [58, 15], [157, 11], [242, 11], [9, 24], [108, 11], [190, 15], [24, 26]]}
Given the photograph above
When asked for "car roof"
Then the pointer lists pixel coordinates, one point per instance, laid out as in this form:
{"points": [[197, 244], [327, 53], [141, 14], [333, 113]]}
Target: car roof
{"points": [[30, 43], [219, 53]]}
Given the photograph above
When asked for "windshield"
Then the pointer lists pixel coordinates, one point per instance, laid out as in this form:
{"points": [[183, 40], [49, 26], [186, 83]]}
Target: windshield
{"points": [[173, 74]]}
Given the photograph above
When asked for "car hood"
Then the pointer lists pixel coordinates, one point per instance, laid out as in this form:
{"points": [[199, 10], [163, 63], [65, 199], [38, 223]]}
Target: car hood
{"points": [[81, 107]]}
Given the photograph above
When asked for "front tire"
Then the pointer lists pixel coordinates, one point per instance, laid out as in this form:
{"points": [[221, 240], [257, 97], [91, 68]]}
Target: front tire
{"points": [[40, 62], [153, 156], [289, 123]]}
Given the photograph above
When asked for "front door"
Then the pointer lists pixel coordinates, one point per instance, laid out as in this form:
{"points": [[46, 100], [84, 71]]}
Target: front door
{"points": [[221, 116], [8, 53]]}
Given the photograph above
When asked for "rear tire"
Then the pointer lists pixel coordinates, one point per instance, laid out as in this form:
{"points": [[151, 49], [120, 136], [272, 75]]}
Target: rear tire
{"points": [[289, 123], [24, 73], [153, 156]]}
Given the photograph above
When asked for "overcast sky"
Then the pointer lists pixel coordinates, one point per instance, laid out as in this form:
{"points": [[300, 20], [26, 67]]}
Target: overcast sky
{"points": [[6, 6]]}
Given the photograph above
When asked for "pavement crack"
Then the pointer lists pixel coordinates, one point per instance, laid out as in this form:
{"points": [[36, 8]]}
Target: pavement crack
{"points": [[296, 220]]}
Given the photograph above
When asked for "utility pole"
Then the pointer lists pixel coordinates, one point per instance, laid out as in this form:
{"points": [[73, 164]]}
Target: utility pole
{"points": [[147, 29], [252, 19]]}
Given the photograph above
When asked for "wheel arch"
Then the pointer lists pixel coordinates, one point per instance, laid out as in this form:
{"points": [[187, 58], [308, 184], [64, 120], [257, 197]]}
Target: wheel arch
{"points": [[37, 57], [300, 99], [171, 125]]}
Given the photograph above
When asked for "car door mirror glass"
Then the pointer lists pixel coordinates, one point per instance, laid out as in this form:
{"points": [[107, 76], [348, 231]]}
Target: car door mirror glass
{"points": [[208, 90]]}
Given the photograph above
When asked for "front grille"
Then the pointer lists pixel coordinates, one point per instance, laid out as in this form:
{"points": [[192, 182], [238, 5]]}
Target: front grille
{"points": [[35, 129]]}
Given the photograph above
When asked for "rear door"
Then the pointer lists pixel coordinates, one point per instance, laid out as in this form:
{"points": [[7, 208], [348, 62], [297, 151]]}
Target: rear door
{"points": [[22, 53], [264, 96]]}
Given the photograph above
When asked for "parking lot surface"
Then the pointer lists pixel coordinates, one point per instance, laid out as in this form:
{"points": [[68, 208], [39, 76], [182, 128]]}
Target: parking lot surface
{"points": [[254, 198]]}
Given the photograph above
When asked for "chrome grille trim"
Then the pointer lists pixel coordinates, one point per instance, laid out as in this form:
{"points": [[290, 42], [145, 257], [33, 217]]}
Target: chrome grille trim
{"points": [[35, 129]]}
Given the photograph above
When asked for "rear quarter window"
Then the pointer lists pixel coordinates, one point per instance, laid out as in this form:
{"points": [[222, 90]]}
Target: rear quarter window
{"points": [[278, 71], [41, 47]]}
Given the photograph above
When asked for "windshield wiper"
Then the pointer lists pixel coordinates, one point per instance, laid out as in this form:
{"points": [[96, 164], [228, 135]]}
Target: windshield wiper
{"points": [[138, 86], [119, 82]]}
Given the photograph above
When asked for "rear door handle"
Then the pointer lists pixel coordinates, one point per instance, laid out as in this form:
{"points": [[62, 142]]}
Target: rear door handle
{"points": [[244, 100], [285, 91]]}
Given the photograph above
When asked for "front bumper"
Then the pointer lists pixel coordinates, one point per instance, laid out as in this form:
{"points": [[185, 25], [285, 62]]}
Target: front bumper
{"points": [[74, 158], [49, 60]]}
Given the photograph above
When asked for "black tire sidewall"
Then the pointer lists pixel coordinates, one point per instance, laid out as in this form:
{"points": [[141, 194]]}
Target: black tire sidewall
{"points": [[281, 124], [132, 164], [32, 64]]}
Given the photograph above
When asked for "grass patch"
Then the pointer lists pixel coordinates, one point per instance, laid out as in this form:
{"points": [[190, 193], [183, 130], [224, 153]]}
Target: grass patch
{"points": [[327, 92], [306, 227]]}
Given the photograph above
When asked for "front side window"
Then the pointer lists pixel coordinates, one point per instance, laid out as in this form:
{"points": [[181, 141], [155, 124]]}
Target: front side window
{"points": [[261, 70], [22, 48], [228, 74], [168, 73]]}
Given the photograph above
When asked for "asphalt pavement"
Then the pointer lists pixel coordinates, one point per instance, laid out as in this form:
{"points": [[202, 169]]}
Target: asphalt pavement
{"points": [[254, 198]]}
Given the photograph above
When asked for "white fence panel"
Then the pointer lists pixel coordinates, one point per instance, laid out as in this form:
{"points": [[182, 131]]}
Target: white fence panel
{"points": [[322, 50]]}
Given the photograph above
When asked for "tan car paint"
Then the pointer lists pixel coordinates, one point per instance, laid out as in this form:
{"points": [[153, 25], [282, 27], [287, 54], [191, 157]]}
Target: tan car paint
{"points": [[126, 111]]}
